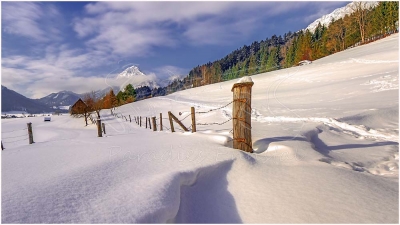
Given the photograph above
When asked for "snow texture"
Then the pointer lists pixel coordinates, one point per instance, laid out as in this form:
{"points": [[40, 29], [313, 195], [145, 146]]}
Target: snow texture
{"points": [[339, 13], [325, 138], [245, 79]]}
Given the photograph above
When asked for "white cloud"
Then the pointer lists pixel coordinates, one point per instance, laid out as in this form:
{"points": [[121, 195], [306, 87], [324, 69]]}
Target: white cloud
{"points": [[31, 20], [61, 68], [112, 30], [133, 28], [168, 73], [212, 32]]}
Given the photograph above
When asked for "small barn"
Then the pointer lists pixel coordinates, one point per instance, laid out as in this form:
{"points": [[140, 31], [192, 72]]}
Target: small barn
{"points": [[78, 107]]}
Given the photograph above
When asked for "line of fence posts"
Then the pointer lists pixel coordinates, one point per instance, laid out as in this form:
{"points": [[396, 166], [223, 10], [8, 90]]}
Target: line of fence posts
{"points": [[241, 117]]}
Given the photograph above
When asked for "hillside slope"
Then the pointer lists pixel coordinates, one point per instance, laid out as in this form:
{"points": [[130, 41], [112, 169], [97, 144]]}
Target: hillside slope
{"points": [[325, 137]]}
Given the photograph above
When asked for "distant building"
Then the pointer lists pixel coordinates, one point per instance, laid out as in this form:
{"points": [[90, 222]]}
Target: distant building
{"points": [[78, 107]]}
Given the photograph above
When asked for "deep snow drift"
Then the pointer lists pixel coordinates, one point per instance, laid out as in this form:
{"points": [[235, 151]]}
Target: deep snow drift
{"points": [[325, 137]]}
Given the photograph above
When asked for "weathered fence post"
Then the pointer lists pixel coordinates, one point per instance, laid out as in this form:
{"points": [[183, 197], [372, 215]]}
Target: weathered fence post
{"points": [[146, 122], [153, 119], [130, 120], [30, 133], [241, 114], [99, 133], [161, 121], [193, 120], [2, 148], [104, 128], [178, 121], [170, 121], [149, 124], [140, 121]]}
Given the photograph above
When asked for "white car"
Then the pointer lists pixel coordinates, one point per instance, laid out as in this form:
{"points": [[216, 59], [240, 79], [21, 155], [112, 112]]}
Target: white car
{"points": [[47, 118]]}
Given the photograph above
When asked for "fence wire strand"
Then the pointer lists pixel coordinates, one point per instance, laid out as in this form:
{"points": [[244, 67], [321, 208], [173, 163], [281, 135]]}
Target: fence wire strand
{"points": [[215, 108], [5, 132], [6, 142], [14, 137]]}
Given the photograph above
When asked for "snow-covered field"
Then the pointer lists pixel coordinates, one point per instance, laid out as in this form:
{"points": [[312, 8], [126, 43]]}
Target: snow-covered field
{"points": [[325, 137]]}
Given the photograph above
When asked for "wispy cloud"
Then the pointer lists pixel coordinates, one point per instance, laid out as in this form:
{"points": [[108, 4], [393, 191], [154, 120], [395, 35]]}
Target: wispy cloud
{"points": [[133, 28], [29, 19], [168, 73], [105, 32], [59, 69]]}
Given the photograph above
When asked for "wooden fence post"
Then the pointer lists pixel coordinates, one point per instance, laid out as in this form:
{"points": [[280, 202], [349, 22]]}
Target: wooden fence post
{"points": [[193, 119], [161, 122], [30, 133], [146, 122], [99, 133], [170, 121], [2, 148], [130, 120], [178, 122], [149, 124], [104, 128], [241, 114], [153, 119], [140, 121]]}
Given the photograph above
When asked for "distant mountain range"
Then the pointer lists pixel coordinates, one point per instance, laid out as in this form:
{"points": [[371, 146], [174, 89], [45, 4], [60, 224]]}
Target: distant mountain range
{"points": [[12, 101], [60, 99], [339, 13]]}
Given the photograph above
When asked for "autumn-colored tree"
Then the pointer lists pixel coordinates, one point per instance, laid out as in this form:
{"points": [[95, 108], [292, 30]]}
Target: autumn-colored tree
{"points": [[110, 100], [94, 103]]}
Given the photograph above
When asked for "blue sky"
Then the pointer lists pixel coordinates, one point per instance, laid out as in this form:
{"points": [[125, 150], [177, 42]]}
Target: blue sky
{"points": [[78, 46]]}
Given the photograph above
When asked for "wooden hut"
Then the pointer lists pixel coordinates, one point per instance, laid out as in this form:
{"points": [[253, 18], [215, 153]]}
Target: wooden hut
{"points": [[78, 107]]}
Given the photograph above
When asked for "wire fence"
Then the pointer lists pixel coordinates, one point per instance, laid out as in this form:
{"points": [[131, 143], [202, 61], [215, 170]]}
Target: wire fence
{"points": [[14, 136], [146, 121]]}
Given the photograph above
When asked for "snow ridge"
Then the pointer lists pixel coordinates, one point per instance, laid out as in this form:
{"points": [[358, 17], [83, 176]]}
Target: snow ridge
{"points": [[339, 13]]}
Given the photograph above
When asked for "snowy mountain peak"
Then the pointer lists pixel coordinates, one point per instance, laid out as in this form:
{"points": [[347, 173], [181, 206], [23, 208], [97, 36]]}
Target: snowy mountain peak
{"points": [[339, 13], [137, 78], [131, 71]]}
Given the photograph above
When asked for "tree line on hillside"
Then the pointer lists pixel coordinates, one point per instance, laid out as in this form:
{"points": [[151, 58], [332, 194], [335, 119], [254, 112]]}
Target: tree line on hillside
{"points": [[364, 25]]}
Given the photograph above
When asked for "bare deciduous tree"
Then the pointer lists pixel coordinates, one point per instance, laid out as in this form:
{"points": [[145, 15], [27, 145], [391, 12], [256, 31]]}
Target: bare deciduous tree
{"points": [[360, 13]]}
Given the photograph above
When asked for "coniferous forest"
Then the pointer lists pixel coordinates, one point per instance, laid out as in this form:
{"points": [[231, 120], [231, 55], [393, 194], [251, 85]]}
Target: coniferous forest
{"points": [[277, 52], [364, 25]]}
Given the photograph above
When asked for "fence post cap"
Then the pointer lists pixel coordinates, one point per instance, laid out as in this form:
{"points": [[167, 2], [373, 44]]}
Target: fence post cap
{"points": [[242, 85]]}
